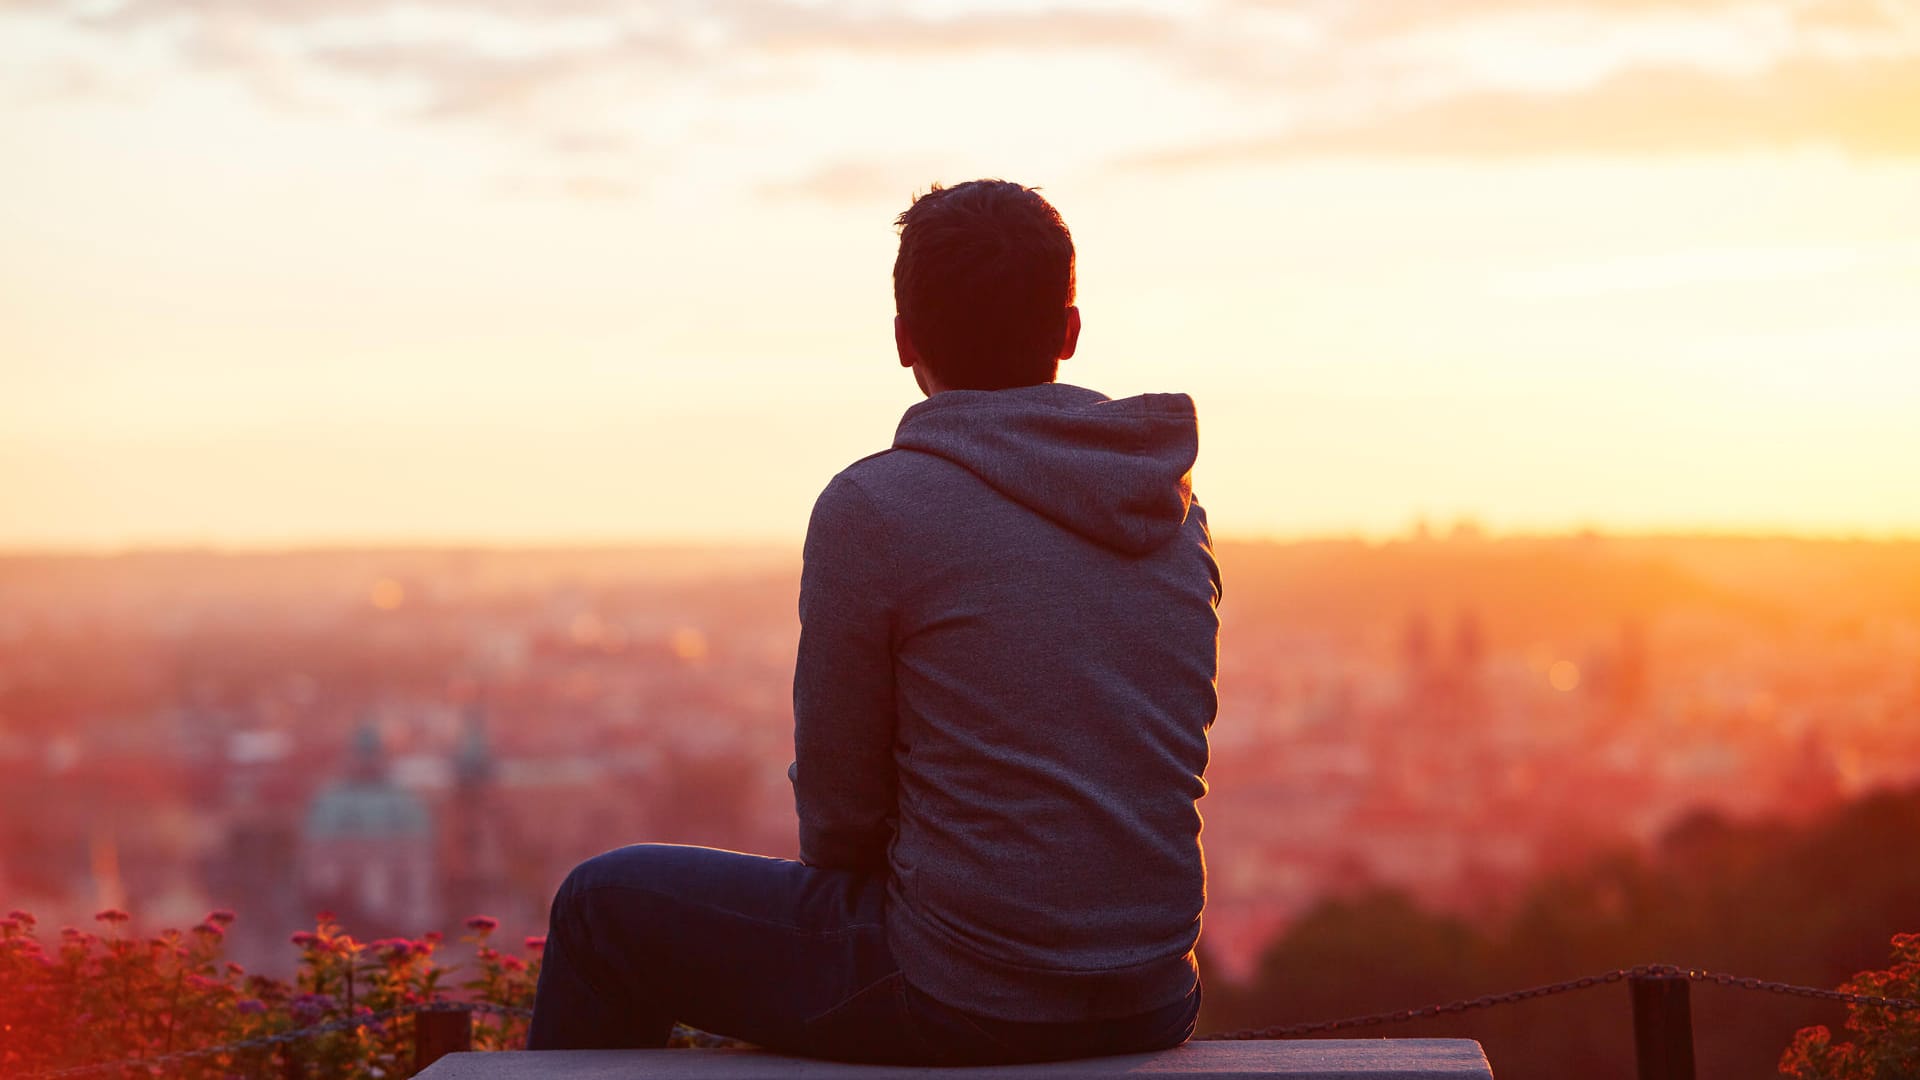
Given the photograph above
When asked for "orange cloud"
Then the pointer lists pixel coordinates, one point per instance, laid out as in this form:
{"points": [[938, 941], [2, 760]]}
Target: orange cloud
{"points": [[1858, 106]]}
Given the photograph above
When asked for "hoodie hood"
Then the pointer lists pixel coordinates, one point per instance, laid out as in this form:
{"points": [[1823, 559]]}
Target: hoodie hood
{"points": [[1116, 472]]}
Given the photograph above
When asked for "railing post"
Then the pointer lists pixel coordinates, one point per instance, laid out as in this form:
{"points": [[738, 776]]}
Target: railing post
{"points": [[439, 1032], [1662, 1027]]}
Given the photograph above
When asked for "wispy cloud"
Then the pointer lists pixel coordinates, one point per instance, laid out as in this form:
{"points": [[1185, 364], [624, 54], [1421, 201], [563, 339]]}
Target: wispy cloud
{"points": [[1465, 78], [563, 78], [459, 81], [782, 27], [881, 182], [1857, 106]]}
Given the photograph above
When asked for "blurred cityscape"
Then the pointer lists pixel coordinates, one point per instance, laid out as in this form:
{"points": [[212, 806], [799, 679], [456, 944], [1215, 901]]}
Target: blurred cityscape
{"points": [[406, 738]]}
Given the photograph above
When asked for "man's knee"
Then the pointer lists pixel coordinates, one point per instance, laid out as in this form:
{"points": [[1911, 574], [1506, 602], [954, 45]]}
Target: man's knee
{"points": [[636, 865]]}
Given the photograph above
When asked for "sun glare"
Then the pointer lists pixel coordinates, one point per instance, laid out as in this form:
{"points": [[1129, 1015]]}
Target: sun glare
{"points": [[387, 594]]}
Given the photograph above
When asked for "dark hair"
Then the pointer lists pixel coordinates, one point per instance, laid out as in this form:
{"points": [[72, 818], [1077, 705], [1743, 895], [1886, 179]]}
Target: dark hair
{"points": [[983, 282]]}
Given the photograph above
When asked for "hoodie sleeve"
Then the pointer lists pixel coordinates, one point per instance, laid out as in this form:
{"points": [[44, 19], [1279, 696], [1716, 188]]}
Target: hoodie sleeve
{"points": [[843, 704]]}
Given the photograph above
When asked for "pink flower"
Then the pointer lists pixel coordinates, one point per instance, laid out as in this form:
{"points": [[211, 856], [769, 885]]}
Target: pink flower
{"points": [[305, 938], [24, 918], [536, 944], [513, 963], [483, 924], [112, 915], [220, 917], [433, 937], [209, 930]]}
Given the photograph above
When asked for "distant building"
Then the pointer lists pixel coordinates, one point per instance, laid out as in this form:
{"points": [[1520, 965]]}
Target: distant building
{"points": [[1419, 664], [367, 849], [473, 856], [1443, 684], [1469, 646]]}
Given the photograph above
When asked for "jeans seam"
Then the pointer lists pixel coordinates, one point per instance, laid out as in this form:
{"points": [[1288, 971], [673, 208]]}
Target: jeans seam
{"points": [[808, 1022], [974, 1026]]}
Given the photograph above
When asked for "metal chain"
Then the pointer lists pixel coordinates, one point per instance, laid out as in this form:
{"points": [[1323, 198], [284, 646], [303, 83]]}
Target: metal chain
{"points": [[1488, 1001], [1278, 1031], [262, 1042], [1641, 971], [1721, 978]]}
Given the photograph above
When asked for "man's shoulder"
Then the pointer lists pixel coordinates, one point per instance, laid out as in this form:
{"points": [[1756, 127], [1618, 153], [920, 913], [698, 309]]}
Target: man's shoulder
{"points": [[898, 492], [893, 473], [873, 465]]}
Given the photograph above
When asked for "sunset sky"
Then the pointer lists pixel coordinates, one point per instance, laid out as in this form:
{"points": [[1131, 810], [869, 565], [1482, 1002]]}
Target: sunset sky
{"points": [[315, 271]]}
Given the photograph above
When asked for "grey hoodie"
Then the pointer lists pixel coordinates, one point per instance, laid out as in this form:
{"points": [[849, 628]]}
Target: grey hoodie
{"points": [[1004, 685]]}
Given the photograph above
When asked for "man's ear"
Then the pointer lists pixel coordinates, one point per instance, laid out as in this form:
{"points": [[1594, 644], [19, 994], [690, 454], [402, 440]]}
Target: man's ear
{"points": [[1072, 340], [903, 341]]}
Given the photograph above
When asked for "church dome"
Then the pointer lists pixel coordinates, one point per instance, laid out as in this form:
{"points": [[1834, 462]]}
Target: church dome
{"points": [[359, 808], [366, 803]]}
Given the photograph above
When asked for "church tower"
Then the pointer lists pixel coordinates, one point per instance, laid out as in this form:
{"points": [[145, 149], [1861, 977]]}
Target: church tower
{"points": [[473, 862], [367, 849]]}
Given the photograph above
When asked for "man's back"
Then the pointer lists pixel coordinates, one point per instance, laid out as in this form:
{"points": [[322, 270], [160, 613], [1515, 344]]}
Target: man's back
{"points": [[1001, 704], [1004, 685]]}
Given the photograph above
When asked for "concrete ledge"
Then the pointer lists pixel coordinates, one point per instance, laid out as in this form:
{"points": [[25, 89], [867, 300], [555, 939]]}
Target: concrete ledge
{"points": [[1320, 1059]]}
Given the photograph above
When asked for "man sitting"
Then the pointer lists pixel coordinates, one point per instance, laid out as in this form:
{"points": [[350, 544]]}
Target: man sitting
{"points": [[1001, 702]]}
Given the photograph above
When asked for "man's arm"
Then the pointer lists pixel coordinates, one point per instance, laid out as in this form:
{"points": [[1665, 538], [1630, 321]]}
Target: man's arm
{"points": [[843, 708]]}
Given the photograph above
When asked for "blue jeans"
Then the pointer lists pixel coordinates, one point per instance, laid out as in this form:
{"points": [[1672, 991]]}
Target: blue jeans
{"points": [[777, 953]]}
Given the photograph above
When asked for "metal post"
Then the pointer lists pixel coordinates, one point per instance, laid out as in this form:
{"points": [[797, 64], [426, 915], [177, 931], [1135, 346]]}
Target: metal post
{"points": [[439, 1032], [1662, 1027]]}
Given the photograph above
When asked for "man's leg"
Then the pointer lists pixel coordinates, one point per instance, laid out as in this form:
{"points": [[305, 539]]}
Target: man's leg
{"points": [[734, 944]]}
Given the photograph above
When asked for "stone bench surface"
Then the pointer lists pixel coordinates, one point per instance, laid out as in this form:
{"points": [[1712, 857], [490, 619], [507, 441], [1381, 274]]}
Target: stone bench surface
{"points": [[1318, 1059]]}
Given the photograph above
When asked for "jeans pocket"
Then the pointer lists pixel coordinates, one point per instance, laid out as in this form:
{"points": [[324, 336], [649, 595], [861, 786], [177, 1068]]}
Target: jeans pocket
{"points": [[871, 1026]]}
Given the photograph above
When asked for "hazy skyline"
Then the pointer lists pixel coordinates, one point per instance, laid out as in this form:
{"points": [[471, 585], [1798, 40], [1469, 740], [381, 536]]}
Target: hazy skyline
{"points": [[516, 271]]}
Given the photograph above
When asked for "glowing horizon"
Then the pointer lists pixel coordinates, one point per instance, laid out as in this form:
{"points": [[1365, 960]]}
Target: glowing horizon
{"points": [[466, 272]]}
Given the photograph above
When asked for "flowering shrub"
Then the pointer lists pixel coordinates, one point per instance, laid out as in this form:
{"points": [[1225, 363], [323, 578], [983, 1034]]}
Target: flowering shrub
{"points": [[1886, 1042], [107, 996]]}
